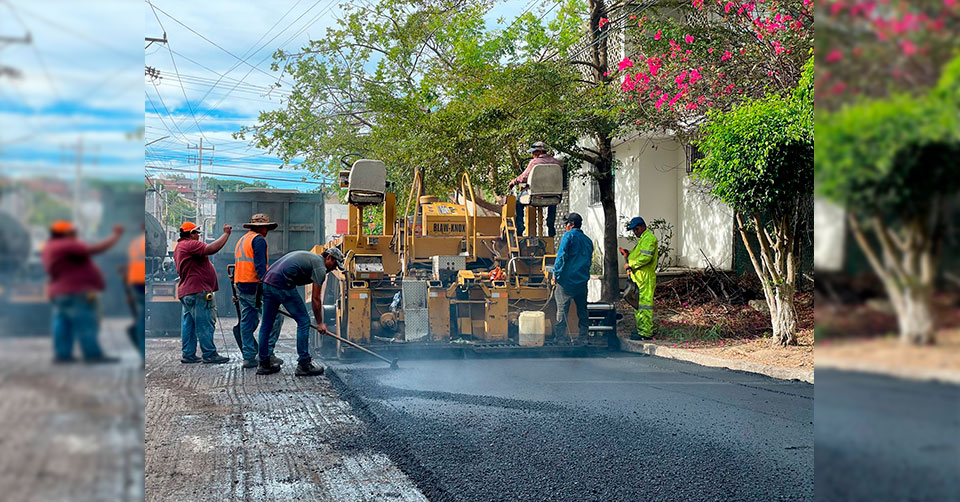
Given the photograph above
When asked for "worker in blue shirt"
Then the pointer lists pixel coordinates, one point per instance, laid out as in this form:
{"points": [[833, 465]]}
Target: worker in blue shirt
{"points": [[571, 271], [250, 268]]}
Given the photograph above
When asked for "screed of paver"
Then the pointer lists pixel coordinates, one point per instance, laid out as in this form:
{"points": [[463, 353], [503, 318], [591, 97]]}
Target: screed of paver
{"points": [[224, 433], [70, 432]]}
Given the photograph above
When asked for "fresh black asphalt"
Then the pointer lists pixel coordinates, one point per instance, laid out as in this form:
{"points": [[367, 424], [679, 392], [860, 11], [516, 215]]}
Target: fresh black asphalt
{"points": [[611, 428], [880, 438]]}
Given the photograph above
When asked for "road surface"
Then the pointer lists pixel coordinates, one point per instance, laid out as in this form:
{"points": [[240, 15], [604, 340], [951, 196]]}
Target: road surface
{"points": [[73, 432], [623, 427], [880, 438]]}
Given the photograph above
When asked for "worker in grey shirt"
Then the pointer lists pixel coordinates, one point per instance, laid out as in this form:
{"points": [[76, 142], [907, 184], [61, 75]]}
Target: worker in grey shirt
{"points": [[297, 268]]}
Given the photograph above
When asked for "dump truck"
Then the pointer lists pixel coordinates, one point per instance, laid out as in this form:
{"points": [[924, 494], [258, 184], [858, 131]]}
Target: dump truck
{"points": [[442, 276]]}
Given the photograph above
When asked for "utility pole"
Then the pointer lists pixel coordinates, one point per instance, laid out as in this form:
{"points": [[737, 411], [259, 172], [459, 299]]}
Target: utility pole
{"points": [[200, 148]]}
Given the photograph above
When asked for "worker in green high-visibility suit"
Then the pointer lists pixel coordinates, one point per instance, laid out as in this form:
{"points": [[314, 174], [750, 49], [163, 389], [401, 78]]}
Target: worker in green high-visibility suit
{"points": [[642, 269]]}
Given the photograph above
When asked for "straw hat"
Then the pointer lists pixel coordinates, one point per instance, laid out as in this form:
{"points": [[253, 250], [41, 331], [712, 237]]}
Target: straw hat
{"points": [[261, 220]]}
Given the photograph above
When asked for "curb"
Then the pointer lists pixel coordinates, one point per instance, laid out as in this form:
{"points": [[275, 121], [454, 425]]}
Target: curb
{"points": [[906, 373], [781, 373]]}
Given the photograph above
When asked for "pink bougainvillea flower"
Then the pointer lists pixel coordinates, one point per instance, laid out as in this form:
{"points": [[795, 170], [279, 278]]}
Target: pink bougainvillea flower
{"points": [[908, 48], [628, 83], [626, 63], [694, 76], [726, 55], [691, 106], [658, 35], [688, 39], [834, 56], [710, 50], [603, 21], [679, 80], [663, 99]]}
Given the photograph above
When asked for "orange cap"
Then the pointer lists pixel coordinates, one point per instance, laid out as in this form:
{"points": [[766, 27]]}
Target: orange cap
{"points": [[61, 227], [188, 226]]}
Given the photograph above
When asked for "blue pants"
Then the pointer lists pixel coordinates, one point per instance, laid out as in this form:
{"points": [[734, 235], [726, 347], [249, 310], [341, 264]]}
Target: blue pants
{"points": [[273, 298], [564, 296], [249, 319], [140, 326], [76, 316], [197, 325]]}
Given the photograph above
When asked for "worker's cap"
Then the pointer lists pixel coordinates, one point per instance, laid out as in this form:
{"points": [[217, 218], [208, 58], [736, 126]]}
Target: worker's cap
{"points": [[574, 218], [636, 222], [539, 146], [336, 254], [261, 220], [189, 226], [62, 227]]}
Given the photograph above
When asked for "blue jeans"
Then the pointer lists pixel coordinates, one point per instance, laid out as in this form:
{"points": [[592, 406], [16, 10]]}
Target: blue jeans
{"points": [[249, 319], [273, 298], [76, 316], [197, 324], [578, 296], [139, 326]]}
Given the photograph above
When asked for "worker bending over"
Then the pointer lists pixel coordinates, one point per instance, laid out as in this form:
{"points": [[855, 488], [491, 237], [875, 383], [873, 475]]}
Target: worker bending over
{"points": [[74, 287], [571, 270], [540, 156], [198, 281], [250, 267], [642, 269], [297, 268]]}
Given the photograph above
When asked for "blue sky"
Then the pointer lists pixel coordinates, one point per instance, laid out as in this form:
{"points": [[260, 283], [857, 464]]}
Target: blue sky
{"points": [[286, 24], [81, 79]]}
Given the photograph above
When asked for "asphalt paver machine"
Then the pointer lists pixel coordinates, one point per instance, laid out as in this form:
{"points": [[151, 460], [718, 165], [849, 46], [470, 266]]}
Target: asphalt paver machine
{"points": [[449, 275]]}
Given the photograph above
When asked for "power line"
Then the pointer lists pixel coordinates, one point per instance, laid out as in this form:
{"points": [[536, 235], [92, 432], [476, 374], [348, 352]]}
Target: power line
{"points": [[172, 169]]}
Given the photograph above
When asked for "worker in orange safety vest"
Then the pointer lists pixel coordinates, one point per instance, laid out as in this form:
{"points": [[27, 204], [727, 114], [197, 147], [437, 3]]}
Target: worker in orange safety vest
{"points": [[251, 256]]}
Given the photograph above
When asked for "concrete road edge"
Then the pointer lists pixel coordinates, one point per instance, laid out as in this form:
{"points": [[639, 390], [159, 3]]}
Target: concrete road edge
{"points": [[781, 373]]}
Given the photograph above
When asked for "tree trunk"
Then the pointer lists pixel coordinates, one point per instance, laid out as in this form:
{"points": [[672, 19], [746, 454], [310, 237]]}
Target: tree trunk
{"points": [[610, 290], [915, 316], [783, 315]]}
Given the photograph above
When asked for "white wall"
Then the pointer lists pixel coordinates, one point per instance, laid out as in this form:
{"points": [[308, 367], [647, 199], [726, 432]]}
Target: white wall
{"points": [[652, 183], [708, 226], [333, 210], [828, 231]]}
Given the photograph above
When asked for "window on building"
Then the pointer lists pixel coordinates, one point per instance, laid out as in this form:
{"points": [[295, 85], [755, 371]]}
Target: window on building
{"points": [[693, 155], [594, 192]]}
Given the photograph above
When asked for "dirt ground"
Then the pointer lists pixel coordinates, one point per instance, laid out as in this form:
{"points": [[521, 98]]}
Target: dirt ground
{"points": [[888, 351], [687, 317], [220, 432], [70, 432]]}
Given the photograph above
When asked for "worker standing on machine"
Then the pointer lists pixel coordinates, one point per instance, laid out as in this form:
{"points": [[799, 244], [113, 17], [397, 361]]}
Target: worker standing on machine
{"points": [[540, 156], [297, 268], [642, 269], [198, 281], [250, 264], [75, 283], [136, 282], [571, 271]]}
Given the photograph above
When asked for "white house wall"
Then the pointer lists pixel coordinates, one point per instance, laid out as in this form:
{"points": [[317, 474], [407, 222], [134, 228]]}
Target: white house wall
{"points": [[828, 243], [707, 226], [651, 182]]}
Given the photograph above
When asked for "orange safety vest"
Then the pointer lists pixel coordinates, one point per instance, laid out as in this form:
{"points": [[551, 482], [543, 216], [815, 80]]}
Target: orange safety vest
{"points": [[136, 260], [245, 271]]}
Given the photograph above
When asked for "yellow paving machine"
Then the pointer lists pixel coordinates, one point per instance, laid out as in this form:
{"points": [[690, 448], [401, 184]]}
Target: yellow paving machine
{"points": [[449, 275]]}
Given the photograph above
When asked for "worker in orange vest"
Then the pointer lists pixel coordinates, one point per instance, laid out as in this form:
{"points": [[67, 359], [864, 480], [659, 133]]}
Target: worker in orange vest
{"points": [[136, 281], [250, 264]]}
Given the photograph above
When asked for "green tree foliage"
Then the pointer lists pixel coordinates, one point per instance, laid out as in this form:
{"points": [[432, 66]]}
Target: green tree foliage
{"points": [[891, 163], [759, 161]]}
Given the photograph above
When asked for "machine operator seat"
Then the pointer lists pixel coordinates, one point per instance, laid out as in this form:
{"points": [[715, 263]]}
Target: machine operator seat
{"points": [[367, 183], [544, 186]]}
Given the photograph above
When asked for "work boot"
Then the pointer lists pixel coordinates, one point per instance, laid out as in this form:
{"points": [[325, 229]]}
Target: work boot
{"points": [[638, 336], [250, 363], [276, 360], [306, 368], [267, 367], [190, 360], [101, 359], [215, 359]]}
